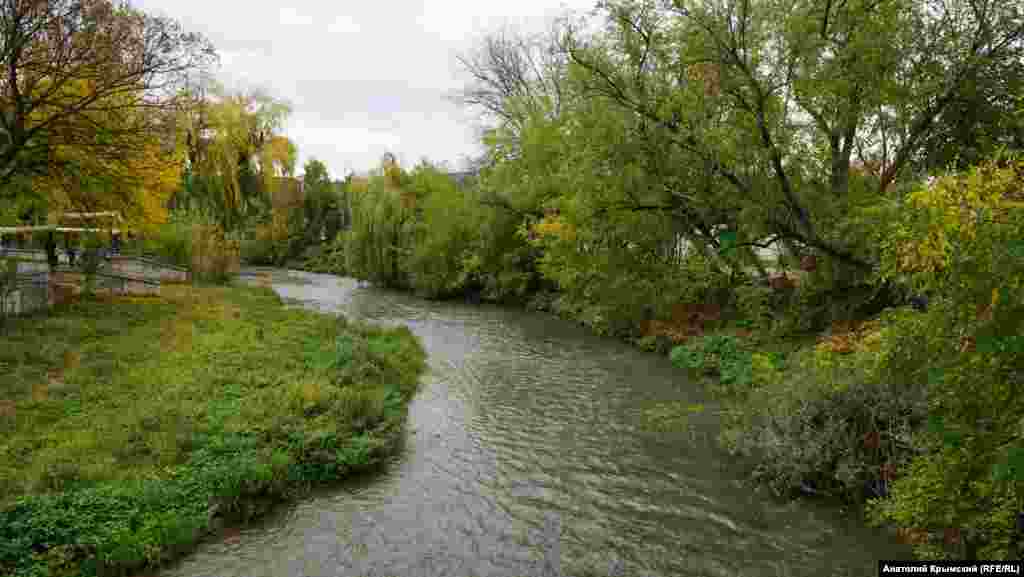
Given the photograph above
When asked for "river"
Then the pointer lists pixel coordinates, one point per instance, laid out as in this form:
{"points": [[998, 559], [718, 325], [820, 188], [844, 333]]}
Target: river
{"points": [[527, 444]]}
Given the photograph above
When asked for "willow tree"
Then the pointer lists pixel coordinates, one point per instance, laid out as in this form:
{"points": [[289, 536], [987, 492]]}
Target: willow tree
{"points": [[234, 153]]}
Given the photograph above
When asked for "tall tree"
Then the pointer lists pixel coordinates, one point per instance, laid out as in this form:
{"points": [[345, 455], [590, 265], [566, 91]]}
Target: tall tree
{"points": [[235, 151], [514, 75], [71, 65], [769, 104], [321, 202]]}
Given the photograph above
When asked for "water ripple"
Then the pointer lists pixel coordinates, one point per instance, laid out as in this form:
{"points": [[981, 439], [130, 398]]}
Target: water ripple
{"points": [[522, 416]]}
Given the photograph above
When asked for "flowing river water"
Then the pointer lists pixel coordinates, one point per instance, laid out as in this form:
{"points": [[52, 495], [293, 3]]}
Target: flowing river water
{"points": [[527, 443]]}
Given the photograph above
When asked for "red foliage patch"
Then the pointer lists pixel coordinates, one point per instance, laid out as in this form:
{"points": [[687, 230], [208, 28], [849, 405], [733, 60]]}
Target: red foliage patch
{"points": [[872, 440], [683, 313], [887, 472], [780, 282], [232, 535], [909, 536]]}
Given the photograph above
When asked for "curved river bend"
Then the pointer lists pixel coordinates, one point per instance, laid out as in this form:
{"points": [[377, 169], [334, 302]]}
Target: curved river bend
{"points": [[527, 426]]}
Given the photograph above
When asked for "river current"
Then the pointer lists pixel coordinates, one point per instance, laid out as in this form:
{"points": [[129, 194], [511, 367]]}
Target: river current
{"points": [[529, 453]]}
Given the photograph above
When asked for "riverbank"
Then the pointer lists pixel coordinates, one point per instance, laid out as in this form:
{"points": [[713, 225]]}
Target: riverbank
{"points": [[135, 427]]}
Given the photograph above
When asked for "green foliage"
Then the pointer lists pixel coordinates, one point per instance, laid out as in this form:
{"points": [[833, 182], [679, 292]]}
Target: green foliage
{"points": [[717, 354], [176, 415], [922, 407], [379, 235], [321, 207], [264, 251], [970, 223], [231, 173], [172, 241], [444, 235], [330, 259], [806, 417]]}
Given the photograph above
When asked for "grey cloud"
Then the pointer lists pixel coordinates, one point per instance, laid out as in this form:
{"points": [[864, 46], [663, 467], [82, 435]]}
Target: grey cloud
{"points": [[364, 78]]}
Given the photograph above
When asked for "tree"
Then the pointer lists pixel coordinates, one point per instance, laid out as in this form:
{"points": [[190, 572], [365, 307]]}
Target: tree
{"points": [[284, 154], [70, 66], [137, 184], [979, 121], [769, 107], [321, 202], [234, 151], [512, 77]]}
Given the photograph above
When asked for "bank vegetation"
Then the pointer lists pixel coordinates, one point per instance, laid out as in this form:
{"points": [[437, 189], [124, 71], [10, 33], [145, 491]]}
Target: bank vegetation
{"points": [[636, 172]]}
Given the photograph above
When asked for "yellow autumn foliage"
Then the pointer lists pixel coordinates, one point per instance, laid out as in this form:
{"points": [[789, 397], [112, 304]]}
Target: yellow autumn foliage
{"points": [[137, 182], [555, 226], [950, 212]]}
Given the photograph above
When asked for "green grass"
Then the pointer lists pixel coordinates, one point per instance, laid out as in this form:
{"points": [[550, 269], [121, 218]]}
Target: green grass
{"points": [[132, 428]]}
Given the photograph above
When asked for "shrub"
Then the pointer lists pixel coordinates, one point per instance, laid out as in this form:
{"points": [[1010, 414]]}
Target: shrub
{"points": [[753, 303], [721, 355], [214, 256], [920, 411], [964, 245], [329, 259], [827, 419], [172, 241], [261, 251]]}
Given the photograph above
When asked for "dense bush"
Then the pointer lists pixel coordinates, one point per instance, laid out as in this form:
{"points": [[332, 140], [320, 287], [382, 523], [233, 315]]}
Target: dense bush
{"points": [[918, 411], [720, 355], [329, 259], [968, 253], [826, 419], [172, 241]]}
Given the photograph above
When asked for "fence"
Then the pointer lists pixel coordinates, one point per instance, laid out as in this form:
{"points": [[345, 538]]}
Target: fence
{"points": [[32, 286], [24, 292]]}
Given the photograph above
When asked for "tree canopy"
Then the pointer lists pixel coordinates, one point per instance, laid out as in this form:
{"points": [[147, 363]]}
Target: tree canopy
{"points": [[87, 74]]}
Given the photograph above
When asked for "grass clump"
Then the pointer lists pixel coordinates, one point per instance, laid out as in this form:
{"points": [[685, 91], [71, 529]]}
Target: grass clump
{"points": [[134, 427]]}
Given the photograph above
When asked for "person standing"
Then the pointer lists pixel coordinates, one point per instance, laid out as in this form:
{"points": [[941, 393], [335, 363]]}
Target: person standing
{"points": [[51, 250], [69, 243]]}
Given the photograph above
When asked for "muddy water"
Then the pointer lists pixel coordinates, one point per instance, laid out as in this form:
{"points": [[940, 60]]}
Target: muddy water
{"points": [[528, 449]]}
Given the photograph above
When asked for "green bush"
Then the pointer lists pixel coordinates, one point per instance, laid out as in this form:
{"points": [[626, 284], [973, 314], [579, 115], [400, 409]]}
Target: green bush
{"points": [[960, 239], [827, 420], [329, 259], [262, 251], [721, 355], [753, 303], [920, 411], [172, 241]]}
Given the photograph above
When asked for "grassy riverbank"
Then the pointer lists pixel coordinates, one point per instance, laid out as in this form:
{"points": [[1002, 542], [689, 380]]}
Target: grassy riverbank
{"points": [[134, 427]]}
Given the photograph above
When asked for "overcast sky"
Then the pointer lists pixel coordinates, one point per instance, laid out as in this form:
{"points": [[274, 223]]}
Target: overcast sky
{"points": [[363, 77]]}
